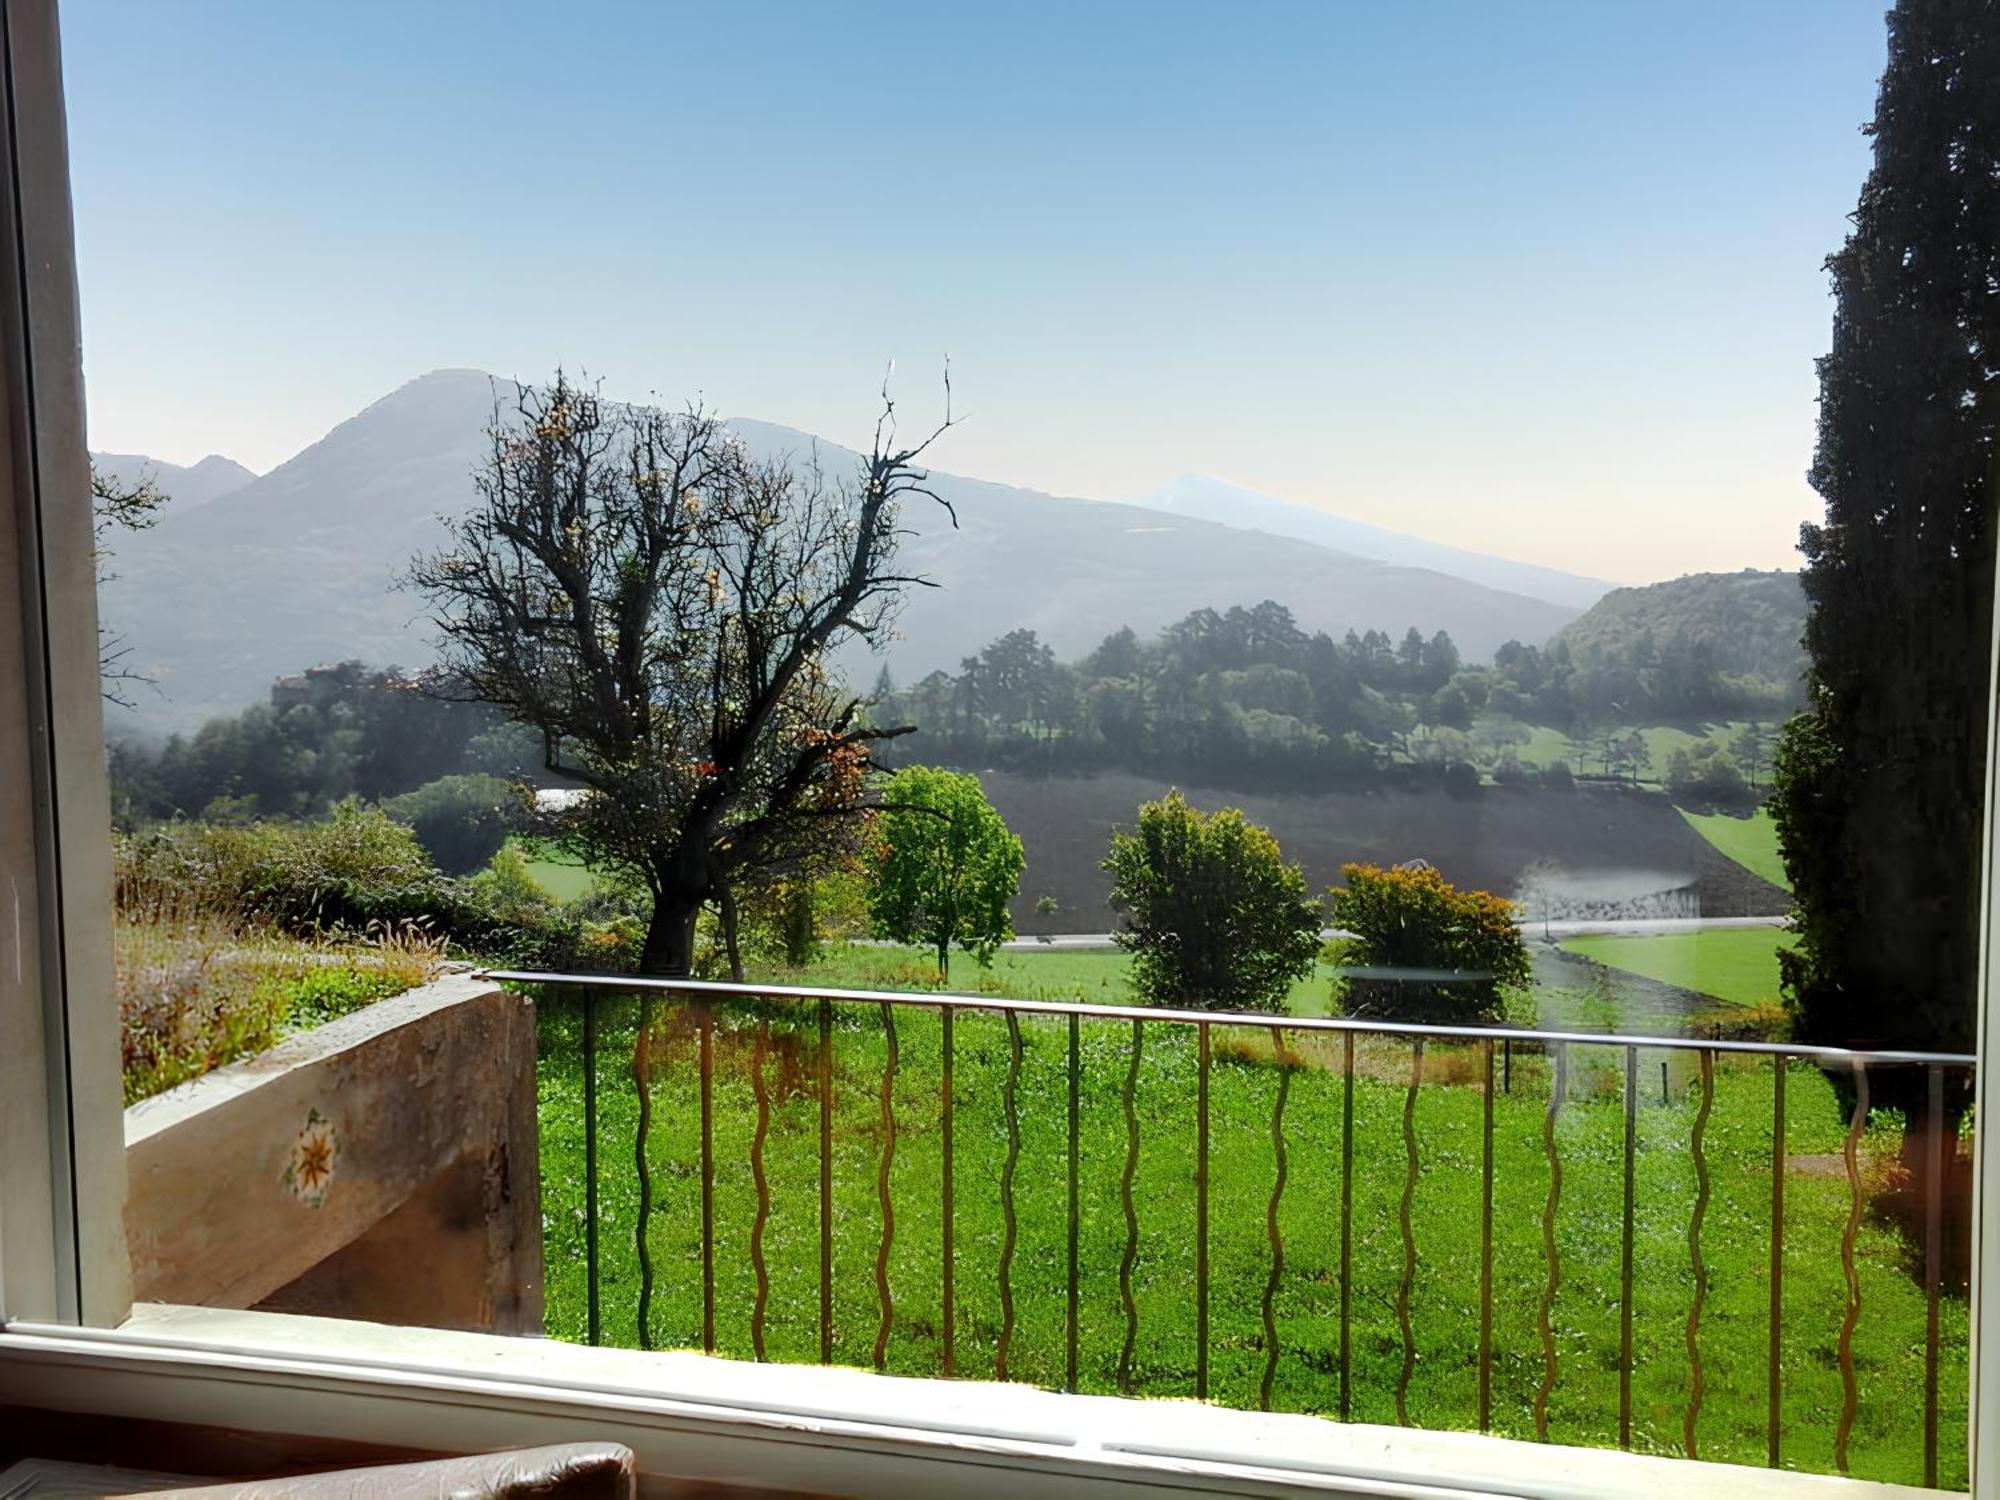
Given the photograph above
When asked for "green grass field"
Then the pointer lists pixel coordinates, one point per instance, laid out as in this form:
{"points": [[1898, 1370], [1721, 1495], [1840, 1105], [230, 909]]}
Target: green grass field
{"points": [[1545, 745], [1737, 964], [1752, 842], [560, 878], [1099, 976], [1297, 1350]]}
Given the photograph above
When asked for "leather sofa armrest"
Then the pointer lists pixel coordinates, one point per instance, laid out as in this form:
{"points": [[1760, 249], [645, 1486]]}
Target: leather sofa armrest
{"points": [[567, 1471]]}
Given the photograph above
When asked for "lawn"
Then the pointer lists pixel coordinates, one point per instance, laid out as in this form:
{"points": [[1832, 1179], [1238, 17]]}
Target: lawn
{"points": [[561, 878], [1752, 842], [1098, 976], [1737, 964], [1248, 1091]]}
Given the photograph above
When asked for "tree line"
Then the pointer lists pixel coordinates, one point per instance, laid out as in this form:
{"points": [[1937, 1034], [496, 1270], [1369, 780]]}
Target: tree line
{"points": [[1228, 695], [331, 733]]}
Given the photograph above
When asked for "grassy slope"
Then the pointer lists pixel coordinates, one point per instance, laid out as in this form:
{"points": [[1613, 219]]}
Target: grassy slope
{"points": [[1545, 745], [1737, 964], [1752, 842], [1244, 1092]]}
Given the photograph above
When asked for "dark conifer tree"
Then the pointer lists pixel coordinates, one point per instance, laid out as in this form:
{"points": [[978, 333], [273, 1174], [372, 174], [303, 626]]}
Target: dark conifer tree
{"points": [[1879, 783]]}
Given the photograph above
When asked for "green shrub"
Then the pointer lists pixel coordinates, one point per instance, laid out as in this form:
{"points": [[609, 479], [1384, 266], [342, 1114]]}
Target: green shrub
{"points": [[1706, 774], [461, 821], [359, 872], [1412, 918], [1214, 917], [509, 887]]}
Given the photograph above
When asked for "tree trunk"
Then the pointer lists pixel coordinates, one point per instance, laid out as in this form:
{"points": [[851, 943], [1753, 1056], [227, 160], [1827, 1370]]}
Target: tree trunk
{"points": [[801, 924], [725, 906], [669, 949], [944, 960]]}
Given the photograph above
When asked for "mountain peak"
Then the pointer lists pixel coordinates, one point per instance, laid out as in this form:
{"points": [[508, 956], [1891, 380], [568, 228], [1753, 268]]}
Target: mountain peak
{"points": [[222, 467], [185, 486]]}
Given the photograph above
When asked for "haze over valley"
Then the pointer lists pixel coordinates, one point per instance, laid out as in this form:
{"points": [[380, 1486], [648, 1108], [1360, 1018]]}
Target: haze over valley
{"points": [[249, 577]]}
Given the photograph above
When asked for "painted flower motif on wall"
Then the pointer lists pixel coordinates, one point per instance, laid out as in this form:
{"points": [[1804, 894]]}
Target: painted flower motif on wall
{"points": [[309, 1168]]}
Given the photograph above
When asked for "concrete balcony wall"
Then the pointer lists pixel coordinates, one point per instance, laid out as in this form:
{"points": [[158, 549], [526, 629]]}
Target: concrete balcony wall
{"points": [[383, 1166]]}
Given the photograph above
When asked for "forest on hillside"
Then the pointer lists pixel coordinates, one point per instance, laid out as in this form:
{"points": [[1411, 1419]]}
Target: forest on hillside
{"points": [[1239, 697], [1245, 694]]}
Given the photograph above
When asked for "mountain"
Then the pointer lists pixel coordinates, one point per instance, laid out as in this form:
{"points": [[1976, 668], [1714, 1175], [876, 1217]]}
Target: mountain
{"points": [[185, 488], [1212, 499], [297, 567], [1750, 621]]}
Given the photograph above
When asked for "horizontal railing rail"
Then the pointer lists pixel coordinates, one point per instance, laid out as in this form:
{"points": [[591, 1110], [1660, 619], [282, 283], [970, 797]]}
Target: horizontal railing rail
{"points": [[1333, 1317], [941, 999]]}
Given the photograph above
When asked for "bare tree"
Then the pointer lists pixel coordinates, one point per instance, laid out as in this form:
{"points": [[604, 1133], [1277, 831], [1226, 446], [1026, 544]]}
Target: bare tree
{"points": [[115, 507], [661, 607]]}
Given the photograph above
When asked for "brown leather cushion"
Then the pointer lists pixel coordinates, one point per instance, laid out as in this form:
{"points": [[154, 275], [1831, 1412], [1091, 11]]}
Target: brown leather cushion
{"points": [[567, 1471]]}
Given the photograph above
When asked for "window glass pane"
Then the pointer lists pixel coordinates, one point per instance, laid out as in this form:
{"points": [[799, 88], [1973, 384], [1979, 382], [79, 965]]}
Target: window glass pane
{"points": [[1367, 805]]}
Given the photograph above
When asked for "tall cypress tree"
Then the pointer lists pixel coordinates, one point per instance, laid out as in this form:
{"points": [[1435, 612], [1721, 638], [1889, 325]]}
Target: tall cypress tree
{"points": [[1879, 784]]}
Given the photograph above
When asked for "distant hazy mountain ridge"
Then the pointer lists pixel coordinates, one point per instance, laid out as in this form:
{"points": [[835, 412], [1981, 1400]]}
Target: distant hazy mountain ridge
{"points": [[1214, 499], [298, 566], [186, 487]]}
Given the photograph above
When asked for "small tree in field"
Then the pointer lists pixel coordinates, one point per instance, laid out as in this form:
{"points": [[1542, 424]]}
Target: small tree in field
{"points": [[1412, 918], [945, 866], [661, 608], [1214, 917]]}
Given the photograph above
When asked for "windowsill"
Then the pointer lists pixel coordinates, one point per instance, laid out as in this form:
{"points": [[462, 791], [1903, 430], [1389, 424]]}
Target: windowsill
{"points": [[834, 1430]]}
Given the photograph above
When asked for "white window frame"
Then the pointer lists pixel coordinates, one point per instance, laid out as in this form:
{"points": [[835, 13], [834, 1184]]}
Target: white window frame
{"points": [[70, 1338]]}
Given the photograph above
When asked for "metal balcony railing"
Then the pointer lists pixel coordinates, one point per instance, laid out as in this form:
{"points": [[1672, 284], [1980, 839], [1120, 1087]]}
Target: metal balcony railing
{"points": [[765, 1062]]}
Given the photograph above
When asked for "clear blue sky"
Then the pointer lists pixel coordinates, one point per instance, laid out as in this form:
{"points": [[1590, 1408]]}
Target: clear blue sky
{"points": [[1541, 279]]}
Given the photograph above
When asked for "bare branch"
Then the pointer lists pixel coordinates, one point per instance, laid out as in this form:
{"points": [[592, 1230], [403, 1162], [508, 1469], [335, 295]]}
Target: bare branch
{"points": [[664, 608]]}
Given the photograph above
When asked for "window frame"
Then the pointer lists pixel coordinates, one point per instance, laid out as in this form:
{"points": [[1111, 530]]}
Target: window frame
{"points": [[68, 1337], [61, 1182]]}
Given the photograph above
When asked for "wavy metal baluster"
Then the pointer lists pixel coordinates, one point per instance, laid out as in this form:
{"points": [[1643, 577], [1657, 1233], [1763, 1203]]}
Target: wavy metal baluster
{"points": [[1558, 1086], [946, 1105], [1131, 1254], [592, 1261], [1201, 1218], [1697, 1383], [1011, 1097], [757, 1087], [1774, 1373], [705, 1020], [1935, 1147], [1486, 1244], [1851, 1152], [1071, 1320], [1285, 1063], [642, 1078], [1625, 1279], [882, 1297], [1409, 1233], [826, 1182], [1346, 1218]]}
